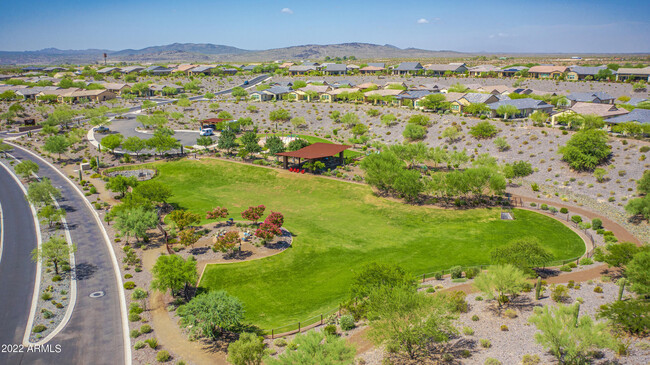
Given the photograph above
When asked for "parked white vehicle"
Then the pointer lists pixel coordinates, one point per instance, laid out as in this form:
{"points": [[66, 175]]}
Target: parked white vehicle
{"points": [[207, 132]]}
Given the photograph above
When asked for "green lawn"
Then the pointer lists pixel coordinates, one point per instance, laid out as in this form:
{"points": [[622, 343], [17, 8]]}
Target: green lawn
{"points": [[338, 227]]}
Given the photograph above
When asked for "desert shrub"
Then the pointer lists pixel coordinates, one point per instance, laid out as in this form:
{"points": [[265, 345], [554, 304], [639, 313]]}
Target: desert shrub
{"points": [[438, 275], [46, 313], [456, 272], [510, 313], [56, 278], [163, 356], [492, 361], [560, 293], [457, 301], [570, 284], [46, 296], [478, 298], [564, 210], [468, 331], [586, 261], [598, 289], [565, 268], [544, 207], [152, 342], [145, 328], [292, 346], [138, 345], [504, 328], [280, 342], [475, 318], [431, 289], [472, 272], [596, 223], [39, 328], [330, 329], [572, 265], [530, 360], [134, 317], [485, 343], [346, 322], [135, 333], [128, 276], [129, 285], [576, 219]]}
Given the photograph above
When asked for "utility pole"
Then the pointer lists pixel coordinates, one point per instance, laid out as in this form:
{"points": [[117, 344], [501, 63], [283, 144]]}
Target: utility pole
{"points": [[104, 59]]}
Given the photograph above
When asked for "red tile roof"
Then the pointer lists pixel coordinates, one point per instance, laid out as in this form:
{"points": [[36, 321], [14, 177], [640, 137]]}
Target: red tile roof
{"points": [[316, 150]]}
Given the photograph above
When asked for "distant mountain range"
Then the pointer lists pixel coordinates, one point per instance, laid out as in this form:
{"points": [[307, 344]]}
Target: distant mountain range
{"points": [[207, 52]]}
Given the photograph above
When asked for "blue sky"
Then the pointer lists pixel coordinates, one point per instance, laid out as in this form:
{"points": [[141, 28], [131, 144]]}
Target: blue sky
{"points": [[471, 26]]}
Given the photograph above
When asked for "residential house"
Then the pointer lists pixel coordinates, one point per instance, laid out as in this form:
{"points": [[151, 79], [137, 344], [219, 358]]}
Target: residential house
{"points": [[641, 116], [441, 70], [482, 69], [116, 88], [334, 94], [408, 68], [249, 68], [582, 72], [434, 88], [382, 93], [510, 71], [526, 106], [395, 84], [605, 111], [377, 64], [318, 82], [546, 72], [412, 97], [200, 70], [158, 89], [352, 67], [371, 69], [342, 83], [473, 98], [636, 101], [301, 70], [496, 89], [282, 83], [30, 93], [368, 85], [131, 69], [57, 92], [158, 70], [184, 68], [229, 71], [53, 69], [335, 69], [32, 69], [598, 97], [273, 93], [623, 74], [315, 64], [305, 93], [286, 65], [108, 70], [91, 95]]}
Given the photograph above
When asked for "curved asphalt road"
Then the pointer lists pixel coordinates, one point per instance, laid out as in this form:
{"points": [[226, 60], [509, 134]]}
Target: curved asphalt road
{"points": [[94, 333], [17, 271]]}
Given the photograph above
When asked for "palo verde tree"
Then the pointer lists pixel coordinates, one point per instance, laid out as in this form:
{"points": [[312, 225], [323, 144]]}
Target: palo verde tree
{"points": [[500, 282], [134, 144], [316, 348], [56, 144], [26, 169], [184, 218], [55, 250], [121, 184], [172, 272], [523, 253], [154, 191], [135, 222], [111, 142], [227, 141], [50, 214], [210, 314], [586, 149], [41, 193]]}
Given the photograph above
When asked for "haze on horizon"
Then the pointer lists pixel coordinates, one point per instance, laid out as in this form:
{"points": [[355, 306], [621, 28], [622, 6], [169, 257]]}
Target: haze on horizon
{"points": [[578, 26]]}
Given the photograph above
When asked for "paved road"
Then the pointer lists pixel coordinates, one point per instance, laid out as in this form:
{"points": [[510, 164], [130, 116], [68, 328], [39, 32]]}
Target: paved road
{"points": [[94, 333], [17, 271]]}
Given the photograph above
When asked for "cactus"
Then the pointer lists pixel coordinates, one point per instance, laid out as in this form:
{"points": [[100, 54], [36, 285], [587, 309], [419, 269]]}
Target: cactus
{"points": [[621, 288], [577, 310], [538, 288]]}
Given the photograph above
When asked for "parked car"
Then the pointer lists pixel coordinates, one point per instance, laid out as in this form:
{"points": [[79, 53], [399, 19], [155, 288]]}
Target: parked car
{"points": [[246, 82], [102, 129], [207, 132]]}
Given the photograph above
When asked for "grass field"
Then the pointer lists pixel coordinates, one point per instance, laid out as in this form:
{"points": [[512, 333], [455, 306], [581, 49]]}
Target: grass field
{"points": [[338, 227]]}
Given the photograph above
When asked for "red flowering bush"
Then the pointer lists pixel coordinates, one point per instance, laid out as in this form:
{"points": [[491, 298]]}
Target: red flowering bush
{"points": [[217, 213], [275, 218], [227, 242], [253, 214], [267, 231]]}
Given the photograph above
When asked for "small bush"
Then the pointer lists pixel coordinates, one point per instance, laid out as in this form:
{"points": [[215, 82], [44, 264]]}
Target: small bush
{"points": [[135, 333], [586, 261], [485, 343], [598, 289], [559, 293], [468, 331], [134, 317], [128, 276], [292, 346], [431, 289], [572, 265], [576, 219], [530, 360], [56, 278], [504, 327], [145, 328], [456, 272], [39, 328], [471, 272], [330, 329], [478, 298], [438, 275], [510, 313], [346, 322], [280, 342], [129, 285], [571, 284], [492, 361], [152, 342], [644, 149], [565, 268], [46, 296], [580, 300], [596, 223], [564, 210], [138, 345], [544, 207], [162, 356], [475, 318], [47, 314]]}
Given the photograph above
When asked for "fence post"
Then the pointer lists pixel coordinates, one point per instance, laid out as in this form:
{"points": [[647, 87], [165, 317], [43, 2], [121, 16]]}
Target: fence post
{"points": [[423, 277], [272, 333], [321, 319], [298, 327]]}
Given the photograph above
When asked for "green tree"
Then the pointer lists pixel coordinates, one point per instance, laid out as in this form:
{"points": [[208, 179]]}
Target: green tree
{"points": [[247, 350], [620, 254], [184, 218], [409, 321], [375, 275], [204, 141], [630, 315], [239, 92], [476, 108], [245, 122], [433, 101], [112, 141], [643, 184], [154, 191], [135, 222], [297, 144], [359, 130], [523, 253], [452, 134], [209, 314], [298, 84], [507, 111], [274, 144], [501, 281], [483, 130], [121, 184], [50, 214], [639, 206], [162, 141], [172, 272], [420, 119], [226, 140], [349, 120], [279, 115], [26, 169], [41, 193], [298, 122], [388, 119], [56, 144], [250, 141], [569, 338], [316, 348], [134, 144], [539, 117], [55, 250], [414, 132], [586, 149], [599, 174], [638, 272]]}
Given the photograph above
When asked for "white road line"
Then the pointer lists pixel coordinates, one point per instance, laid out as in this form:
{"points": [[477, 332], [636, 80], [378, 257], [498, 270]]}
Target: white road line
{"points": [[118, 276], [2, 231], [37, 281]]}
